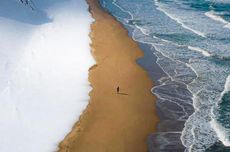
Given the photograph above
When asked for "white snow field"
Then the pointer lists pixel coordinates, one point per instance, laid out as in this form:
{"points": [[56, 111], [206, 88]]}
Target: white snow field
{"points": [[44, 61]]}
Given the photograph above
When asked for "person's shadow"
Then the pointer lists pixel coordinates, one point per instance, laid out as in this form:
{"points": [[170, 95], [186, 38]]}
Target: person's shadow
{"points": [[125, 94], [118, 92]]}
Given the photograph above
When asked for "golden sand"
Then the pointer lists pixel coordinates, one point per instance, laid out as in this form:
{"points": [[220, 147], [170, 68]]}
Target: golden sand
{"points": [[114, 122]]}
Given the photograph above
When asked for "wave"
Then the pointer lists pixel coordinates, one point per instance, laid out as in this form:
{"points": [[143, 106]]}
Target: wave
{"points": [[227, 86], [224, 58], [202, 78], [212, 15], [204, 52], [123, 10], [208, 54], [222, 132], [159, 7]]}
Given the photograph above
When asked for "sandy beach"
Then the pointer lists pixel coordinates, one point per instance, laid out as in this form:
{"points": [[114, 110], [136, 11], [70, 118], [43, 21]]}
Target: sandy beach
{"points": [[114, 122]]}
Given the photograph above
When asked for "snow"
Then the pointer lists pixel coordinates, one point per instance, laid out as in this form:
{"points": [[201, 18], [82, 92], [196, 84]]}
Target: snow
{"points": [[44, 62]]}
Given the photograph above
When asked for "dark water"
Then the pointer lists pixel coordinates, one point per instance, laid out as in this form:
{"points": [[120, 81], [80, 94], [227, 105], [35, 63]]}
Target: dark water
{"points": [[187, 54]]}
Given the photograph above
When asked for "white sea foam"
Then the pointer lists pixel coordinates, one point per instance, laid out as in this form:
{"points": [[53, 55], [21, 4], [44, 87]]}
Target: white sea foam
{"points": [[122, 9], [212, 15], [44, 73], [160, 8], [197, 134], [204, 52], [222, 132], [226, 86], [227, 26]]}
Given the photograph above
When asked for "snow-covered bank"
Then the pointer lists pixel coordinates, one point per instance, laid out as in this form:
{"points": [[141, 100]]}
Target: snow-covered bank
{"points": [[44, 62]]}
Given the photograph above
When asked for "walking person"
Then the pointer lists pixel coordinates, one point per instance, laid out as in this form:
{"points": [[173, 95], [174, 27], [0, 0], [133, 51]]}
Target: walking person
{"points": [[118, 90]]}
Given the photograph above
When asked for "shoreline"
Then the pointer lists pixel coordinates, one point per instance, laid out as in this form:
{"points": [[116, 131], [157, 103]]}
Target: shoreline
{"points": [[168, 128], [124, 123]]}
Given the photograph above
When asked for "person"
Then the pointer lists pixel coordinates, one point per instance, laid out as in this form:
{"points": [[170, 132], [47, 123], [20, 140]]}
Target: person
{"points": [[118, 89]]}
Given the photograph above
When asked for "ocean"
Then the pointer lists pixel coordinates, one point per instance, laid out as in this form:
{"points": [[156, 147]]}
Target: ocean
{"points": [[187, 54]]}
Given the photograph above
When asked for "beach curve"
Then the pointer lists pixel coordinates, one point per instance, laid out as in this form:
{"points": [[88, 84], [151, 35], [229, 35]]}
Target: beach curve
{"points": [[111, 121]]}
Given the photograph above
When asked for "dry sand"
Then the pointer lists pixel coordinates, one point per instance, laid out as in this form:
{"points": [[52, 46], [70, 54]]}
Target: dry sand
{"points": [[114, 122]]}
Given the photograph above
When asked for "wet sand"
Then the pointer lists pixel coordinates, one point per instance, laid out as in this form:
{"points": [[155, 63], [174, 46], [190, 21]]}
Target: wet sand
{"points": [[114, 122]]}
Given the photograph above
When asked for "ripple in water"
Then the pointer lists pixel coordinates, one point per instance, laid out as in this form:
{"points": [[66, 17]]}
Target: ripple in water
{"points": [[189, 42]]}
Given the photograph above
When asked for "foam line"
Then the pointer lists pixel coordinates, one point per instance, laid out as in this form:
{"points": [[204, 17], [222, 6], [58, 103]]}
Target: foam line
{"points": [[203, 52], [212, 15], [178, 20]]}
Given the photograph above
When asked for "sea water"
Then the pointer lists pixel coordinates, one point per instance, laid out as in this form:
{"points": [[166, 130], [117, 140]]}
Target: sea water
{"points": [[190, 42]]}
